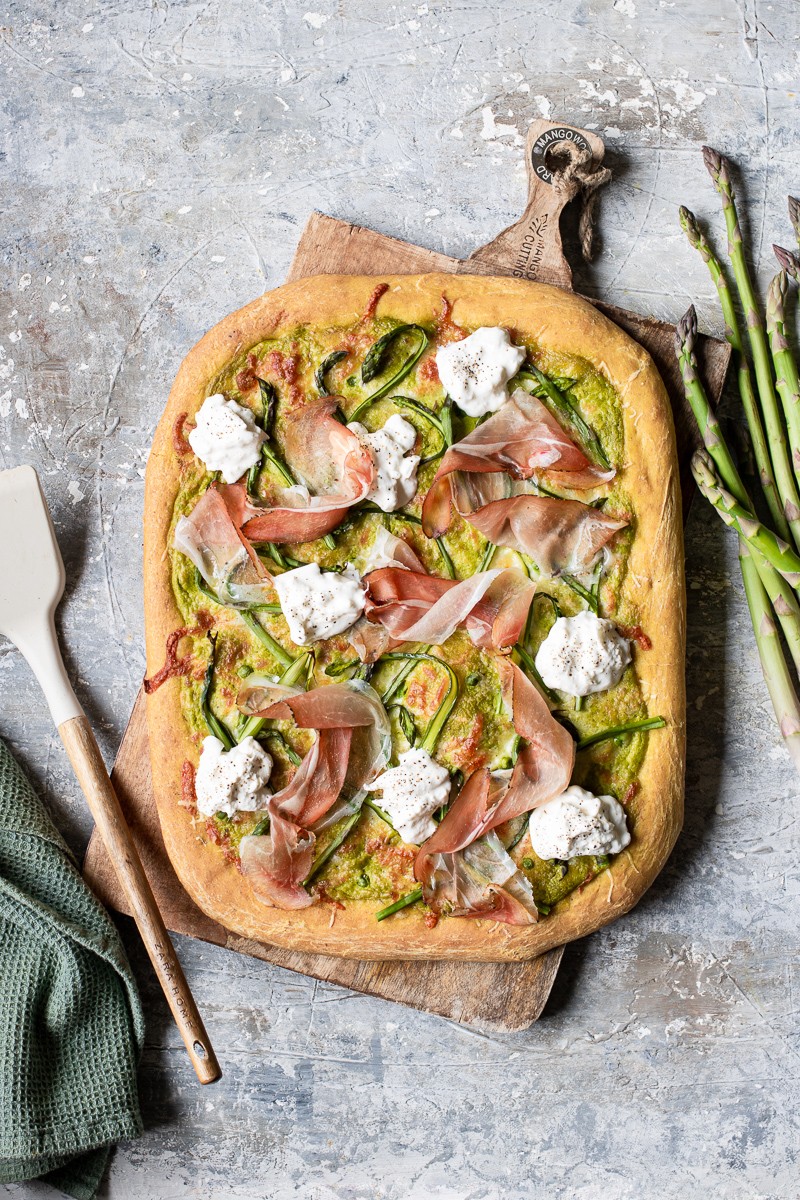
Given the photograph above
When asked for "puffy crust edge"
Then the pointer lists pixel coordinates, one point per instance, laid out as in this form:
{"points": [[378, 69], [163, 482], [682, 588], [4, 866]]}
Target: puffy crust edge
{"points": [[558, 321]]}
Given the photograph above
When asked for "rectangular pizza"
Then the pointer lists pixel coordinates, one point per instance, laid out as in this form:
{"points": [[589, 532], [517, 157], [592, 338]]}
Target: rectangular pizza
{"points": [[415, 619]]}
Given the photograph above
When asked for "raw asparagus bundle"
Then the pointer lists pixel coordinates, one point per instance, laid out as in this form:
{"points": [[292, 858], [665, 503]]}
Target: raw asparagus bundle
{"points": [[770, 394]]}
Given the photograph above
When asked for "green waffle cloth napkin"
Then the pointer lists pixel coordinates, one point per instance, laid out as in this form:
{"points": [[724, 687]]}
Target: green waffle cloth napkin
{"points": [[71, 1023]]}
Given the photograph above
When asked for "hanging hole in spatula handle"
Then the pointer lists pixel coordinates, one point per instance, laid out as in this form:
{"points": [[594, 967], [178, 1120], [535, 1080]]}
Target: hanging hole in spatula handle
{"points": [[563, 162]]}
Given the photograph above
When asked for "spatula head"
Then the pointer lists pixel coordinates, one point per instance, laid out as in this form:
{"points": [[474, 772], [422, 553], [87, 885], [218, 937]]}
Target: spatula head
{"points": [[31, 570]]}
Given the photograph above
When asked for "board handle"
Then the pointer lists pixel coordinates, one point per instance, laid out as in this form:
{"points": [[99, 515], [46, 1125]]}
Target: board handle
{"points": [[87, 763], [563, 162]]}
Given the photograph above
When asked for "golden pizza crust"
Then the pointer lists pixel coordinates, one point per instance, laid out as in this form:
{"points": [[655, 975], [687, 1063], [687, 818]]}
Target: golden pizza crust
{"points": [[556, 321]]}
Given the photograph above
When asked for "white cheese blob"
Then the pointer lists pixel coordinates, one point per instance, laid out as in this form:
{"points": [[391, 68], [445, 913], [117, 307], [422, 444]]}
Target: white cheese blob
{"points": [[583, 654], [230, 781], [226, 437], [412, 792], [395, 469], [317, 604], [578, 822], [475, 371]]}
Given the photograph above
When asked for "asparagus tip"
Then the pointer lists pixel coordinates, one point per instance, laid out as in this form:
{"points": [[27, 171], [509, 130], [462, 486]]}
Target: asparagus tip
{"points": [[686, 329], [776, 293], [789, 262], [703, 467], [689, 224], [716, 165], [794, 214]]}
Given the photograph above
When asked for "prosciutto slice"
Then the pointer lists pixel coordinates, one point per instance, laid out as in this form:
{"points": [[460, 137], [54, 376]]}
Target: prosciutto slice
{"points": [[333, 464], [559, 535], [482, 881], [208, 536], [353, 745], [478, 878], [542, 771], [522, 439], [493, 605], [389, 550]]}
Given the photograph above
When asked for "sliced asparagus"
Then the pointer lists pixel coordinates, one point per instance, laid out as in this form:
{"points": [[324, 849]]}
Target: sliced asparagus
{"points": [[403, 902]]}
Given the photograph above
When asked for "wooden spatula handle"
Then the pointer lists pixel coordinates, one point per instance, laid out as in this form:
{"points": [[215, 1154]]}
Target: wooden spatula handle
{"points": [[87, 762]]}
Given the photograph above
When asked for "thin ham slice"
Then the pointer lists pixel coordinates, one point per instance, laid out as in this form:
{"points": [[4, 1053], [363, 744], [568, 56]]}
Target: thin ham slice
{"points": [[389, 550], [333, 464], [208, 536], [475, 878], [544, 768], [559, 535], [493, 605], [542, 771], [353, 745], [522, 439]]}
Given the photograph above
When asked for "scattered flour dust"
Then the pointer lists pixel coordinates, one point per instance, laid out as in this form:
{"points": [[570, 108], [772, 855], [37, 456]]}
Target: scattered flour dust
{"points": [[626, 7]]}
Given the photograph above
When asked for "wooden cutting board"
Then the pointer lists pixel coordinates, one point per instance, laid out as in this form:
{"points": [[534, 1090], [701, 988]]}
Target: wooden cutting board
{"points": [[561, 161]]}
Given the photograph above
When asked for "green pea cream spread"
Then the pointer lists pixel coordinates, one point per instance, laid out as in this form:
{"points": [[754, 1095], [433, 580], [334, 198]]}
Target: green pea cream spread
{"points": [[373, 863]]}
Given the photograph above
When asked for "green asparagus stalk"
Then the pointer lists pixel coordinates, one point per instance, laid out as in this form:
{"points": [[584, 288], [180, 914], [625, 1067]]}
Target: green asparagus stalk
{"points": [[786, 377], [718, 168], [777, 552], [780, 593], [714, 442], [773, 664], [745, 379]]}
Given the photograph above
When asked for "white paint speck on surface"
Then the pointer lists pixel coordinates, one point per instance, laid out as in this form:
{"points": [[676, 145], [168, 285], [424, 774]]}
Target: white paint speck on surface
{"points": [[24, 281], [74, 490], [78, 92], [315, 20], [492, 129], [626, 7], [544, 105]]}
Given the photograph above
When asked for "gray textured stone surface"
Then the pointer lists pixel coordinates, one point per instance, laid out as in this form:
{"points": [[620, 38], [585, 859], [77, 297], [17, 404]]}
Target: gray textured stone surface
{"points": [[159, 162]]}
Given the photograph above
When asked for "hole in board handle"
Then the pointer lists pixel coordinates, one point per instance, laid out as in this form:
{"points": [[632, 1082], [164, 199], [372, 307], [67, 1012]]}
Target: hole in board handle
{"points": [[199, 1050]]}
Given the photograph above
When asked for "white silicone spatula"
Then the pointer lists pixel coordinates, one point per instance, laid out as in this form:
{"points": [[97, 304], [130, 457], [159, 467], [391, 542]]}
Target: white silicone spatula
{"points": [[31, 585]]}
